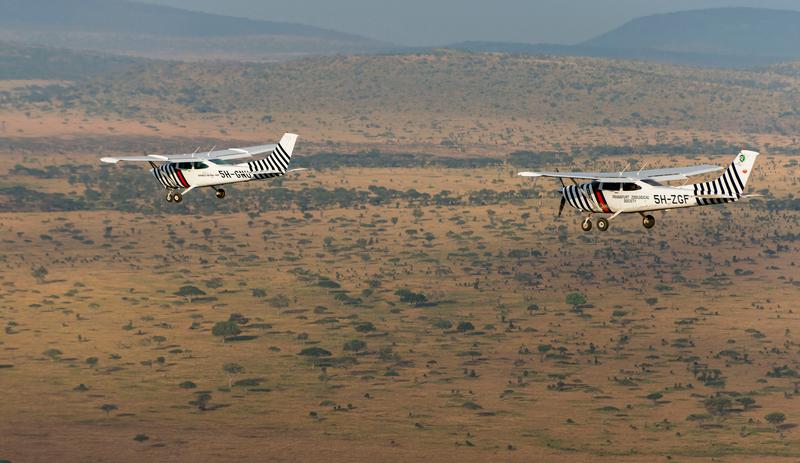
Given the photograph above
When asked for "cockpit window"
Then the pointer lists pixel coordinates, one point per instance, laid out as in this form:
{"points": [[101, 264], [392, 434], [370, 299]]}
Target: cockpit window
{"points": [[610, 187], [184, 165], [199, 165], [630, 187]]}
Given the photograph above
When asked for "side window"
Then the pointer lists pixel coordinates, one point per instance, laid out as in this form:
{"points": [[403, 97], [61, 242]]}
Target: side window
{"points": [[200, 165], [611, 187], [184, 165], [630, 187]]}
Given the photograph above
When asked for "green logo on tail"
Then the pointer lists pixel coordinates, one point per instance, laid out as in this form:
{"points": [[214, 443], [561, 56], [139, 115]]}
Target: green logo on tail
{"points": [[742, 158]]}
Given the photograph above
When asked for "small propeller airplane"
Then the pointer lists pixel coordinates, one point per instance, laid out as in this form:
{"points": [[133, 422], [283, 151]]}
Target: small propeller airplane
{"points": [[216, 168], [643, 191]]}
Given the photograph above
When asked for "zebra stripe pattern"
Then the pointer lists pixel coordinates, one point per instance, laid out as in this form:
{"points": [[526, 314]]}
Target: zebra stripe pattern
{"points": [[170, 176], [277, 162], [584, 197], [729, 184]]}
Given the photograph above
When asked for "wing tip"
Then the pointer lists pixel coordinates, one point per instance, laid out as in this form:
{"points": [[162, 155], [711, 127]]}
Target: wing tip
{"points": [[109, 160]]}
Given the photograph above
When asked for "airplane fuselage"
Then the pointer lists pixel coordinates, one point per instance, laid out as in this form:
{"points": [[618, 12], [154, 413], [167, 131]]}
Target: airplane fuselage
{"points": [[640, 196], [204, 174]]}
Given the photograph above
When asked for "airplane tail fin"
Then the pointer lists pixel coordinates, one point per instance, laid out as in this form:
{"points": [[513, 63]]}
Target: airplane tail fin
{"points": [[281, 156], [730, 185]]}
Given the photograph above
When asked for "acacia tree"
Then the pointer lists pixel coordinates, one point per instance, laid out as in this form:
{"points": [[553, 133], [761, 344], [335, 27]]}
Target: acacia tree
{"points": [[232, 369], [108, 408], [39, 273], [543, 349], [190, 292], [225, 329], [775, 419]]}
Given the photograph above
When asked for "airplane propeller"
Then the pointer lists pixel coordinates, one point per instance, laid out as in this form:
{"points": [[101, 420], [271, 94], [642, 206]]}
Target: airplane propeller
{"points": [[563, 198]]}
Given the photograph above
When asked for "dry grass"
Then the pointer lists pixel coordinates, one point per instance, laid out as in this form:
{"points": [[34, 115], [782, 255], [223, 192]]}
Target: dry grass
{"points": [[99, 282]]}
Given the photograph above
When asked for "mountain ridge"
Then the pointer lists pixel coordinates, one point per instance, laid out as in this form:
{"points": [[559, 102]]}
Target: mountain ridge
{"points": [[716, 37], [154, 31]]}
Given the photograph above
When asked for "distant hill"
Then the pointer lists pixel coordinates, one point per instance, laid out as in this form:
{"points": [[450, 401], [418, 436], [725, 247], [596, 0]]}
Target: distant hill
{"points": [[721, 31], [23, 62], [721, 37], [162, 32]]}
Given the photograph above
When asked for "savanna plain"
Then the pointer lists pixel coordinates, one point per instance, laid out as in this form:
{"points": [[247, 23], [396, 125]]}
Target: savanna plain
{"points": [[408, 297]]}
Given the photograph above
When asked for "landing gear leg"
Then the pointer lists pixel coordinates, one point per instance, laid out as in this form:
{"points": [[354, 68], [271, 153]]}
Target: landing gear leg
{"points": [[169, 196], [648, 221], [220, 193], [586, 225]]}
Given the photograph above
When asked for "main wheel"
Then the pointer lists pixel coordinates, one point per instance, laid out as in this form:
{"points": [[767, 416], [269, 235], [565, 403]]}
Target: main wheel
{"points": [[220, 193], [586, 225], [177, 197], [602, 224], [169, 197], [648, 221]]}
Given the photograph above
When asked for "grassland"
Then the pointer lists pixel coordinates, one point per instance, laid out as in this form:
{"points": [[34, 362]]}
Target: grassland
{"points": [[107, 355], [408, 298], [446, 102]]}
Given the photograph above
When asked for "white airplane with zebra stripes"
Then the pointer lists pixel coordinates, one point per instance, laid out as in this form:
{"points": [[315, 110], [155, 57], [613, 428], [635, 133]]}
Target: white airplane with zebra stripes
{"points": [[642, 191], [213, 169]]}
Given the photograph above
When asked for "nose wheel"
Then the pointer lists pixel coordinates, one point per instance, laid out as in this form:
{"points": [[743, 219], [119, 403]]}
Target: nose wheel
{"points": [[648, 221], [220, 193]]}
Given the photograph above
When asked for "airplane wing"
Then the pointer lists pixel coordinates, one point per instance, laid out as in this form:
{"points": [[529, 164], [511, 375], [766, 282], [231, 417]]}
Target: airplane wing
{"points": [[715, 197], [666, 174], [274, 172], [609, 176], [675, 173], [231, 153]]}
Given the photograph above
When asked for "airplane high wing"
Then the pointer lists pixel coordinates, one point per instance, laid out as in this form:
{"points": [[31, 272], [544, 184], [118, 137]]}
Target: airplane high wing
{"points": [[232, 153], [665, 174]]}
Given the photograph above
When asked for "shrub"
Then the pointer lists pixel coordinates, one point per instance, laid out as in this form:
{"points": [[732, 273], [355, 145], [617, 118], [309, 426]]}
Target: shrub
{"points": [[315, 352], [575, 299], [355, 345], [465, 326], [365, 327]]}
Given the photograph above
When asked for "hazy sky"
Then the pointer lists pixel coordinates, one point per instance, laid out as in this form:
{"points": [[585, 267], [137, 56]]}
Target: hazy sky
{"points": [[439, 22]]}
